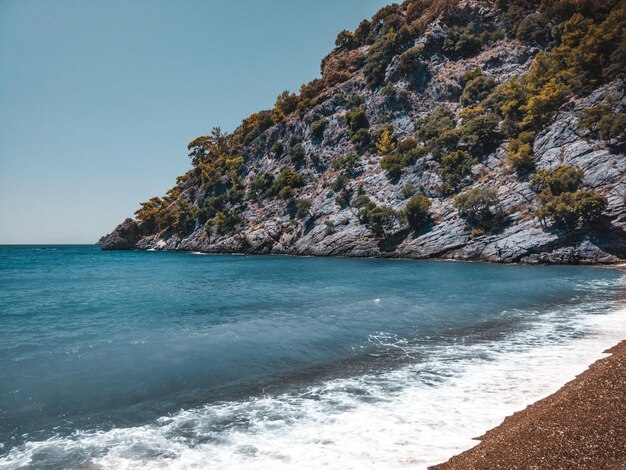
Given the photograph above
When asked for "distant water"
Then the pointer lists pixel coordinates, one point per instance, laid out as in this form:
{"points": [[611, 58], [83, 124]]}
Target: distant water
{"points": [[175, 360]]}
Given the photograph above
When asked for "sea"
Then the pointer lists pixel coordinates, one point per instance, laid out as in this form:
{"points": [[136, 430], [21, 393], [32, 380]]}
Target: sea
{"points": [[159, 360]]}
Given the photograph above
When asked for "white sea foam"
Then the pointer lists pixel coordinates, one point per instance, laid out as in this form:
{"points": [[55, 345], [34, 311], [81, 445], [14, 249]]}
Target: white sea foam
{"points": [[414, 416]]}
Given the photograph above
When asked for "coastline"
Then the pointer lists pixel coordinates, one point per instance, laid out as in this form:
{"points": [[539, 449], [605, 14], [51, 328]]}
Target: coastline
{"points": [[579, 426]]}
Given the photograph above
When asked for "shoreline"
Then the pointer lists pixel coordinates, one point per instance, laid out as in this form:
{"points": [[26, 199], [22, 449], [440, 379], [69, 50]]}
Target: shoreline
{"points": [[619, 264], [582, 425]]}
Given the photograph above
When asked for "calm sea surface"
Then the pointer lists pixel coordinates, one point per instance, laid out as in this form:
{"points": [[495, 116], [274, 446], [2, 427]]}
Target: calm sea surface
{"points": [[177, 360]]}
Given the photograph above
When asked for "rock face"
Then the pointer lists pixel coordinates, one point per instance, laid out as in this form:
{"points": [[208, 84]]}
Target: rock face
{"points": [[124, 237], [268, 224]]}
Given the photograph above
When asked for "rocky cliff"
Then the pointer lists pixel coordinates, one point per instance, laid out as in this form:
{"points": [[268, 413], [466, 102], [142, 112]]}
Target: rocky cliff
{"points": [[470, 130]]}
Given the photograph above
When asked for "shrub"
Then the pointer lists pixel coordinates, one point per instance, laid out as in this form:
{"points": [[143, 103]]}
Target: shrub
{"points": [[394, 163], [408, 190], [462, 41], [149, 210], [520, 153], [253, 126], [286, 103], [286, 193], [340, 182], [345, 39], [312, 90], [406, 145], [533, 28], [261, 184], [410, 60], [478, 206], [479, 134], [317, 128], [563, 179], [356, 120], [413, 68], [287, 178], [571, 211], [437, 131], [361, 139], [277, 148], [302, 207], [383, 50], [348, 164], [314, 158], [225, 222], [417, 212], [296, 154], [354, 101], [386, 142], [343, 198], [455, 166], [601, 120], [381, 220], [477, 90], [542, 106]]}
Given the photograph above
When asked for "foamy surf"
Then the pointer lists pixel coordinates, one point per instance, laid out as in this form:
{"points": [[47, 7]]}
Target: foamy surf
{"points": [[417, 415]]}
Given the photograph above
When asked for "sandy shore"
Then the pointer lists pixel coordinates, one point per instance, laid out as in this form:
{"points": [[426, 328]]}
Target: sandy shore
{"points": [[582, 426]]}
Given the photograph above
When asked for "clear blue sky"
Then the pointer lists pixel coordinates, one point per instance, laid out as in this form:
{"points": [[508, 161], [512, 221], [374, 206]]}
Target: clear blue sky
{"points": [[99, 98]]}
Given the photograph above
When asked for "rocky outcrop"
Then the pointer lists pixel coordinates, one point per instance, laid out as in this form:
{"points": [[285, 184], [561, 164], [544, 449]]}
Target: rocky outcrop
{"points": [[331, 228], [124, 237]]}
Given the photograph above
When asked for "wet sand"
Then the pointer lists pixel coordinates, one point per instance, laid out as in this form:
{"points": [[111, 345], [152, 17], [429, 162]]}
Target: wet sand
{"points": [[581, 426]]}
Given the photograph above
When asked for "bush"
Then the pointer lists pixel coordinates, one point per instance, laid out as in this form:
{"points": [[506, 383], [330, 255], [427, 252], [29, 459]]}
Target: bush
{"points": [[563, 179], [381, 53], [277, 148], [356, 120], [361, 139], [520, 153], [296, 154], [477, 90], [394, 163], [417, 212], [408, 190], [261, 184], [340, 183], [253, 126], [455, 166], [287, 178], [302, 207], [406, 145], [286, 103], [343, 198], [225, 222], [348, 164], [478, 206], [462, 41], [386, 142], [533, 28], [354, 101], [317, 128], [286, 193], [381, 220], [437, 131], [571, 211], [149, 210], [413, 68], [479, 134], [345, 39], [601, 120]]}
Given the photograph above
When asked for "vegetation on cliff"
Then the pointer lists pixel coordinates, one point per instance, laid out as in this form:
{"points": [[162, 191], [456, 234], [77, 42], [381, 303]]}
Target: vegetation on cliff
{"points": [[385, 103]]}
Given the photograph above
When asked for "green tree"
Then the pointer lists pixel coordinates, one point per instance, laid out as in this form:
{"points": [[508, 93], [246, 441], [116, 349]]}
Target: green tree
{"points": [[417, 211]]}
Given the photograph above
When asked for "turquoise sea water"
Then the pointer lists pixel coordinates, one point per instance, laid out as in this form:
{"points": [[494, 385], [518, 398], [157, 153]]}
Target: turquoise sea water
{"points": [[158, 360]]}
